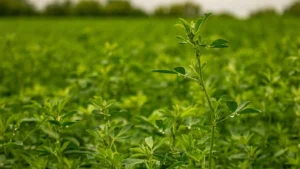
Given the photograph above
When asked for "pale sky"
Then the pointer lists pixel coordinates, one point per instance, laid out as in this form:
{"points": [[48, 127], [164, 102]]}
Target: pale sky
{"points": [[241, 8]]}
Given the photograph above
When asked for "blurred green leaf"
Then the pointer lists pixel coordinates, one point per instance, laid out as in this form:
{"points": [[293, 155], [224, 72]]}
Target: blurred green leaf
{"points": [[130, 163], [219, 43], [165, 71], [249, 111], [180, 70], [186, 25], [232, 105], [242, 106], [149, 141], [198, 24], [55, 122]]}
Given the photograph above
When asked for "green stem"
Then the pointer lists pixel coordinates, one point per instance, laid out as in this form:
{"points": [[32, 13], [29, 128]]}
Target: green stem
{"points": [[212, 111], [211, 145]]}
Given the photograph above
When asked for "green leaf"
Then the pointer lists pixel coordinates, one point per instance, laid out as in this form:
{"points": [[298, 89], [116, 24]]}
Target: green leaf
{"points": [[149, 141], [71, 113], [124, 130], [180, 38], [78, 152], [161, 124], [176, 164], [165, 71], [57, 123], [242, 106], [130, 163], [137, 150], [280, 152], [197, 25], [182, 42], [180, 26], [67, 123], [206, 16], [232, 105], [203, 20], [249, 111], [65, 145], [180, 70], [186, 25], [238, 156], [219, 43]]}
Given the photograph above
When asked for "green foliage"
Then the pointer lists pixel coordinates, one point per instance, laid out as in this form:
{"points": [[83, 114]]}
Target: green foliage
{"points": [[268, 12], [87, 8], [122, 8], [294, 9], [193, 37], [16, 8], [58, 8], [56, 86], [187, 9]]}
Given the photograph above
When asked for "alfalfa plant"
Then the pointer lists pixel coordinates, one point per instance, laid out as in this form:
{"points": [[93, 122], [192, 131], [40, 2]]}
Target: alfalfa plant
{"points": [[195, 39]]}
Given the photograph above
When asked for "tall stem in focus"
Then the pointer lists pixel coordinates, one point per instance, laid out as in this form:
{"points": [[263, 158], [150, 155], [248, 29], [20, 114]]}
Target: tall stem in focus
{"points": [[212, 111]]}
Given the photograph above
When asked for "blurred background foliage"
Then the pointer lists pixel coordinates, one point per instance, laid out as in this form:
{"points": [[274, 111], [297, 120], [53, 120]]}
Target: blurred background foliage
{"points": [[44, 59], [119, 8]]}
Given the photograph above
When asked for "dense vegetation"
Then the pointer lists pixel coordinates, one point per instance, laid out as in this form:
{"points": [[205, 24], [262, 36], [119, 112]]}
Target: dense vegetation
{"points": [[80, 94]]}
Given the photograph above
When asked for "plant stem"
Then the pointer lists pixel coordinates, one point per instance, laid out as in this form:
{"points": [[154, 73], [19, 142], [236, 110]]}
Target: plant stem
{"points": [[212, 111], [211, 145]]}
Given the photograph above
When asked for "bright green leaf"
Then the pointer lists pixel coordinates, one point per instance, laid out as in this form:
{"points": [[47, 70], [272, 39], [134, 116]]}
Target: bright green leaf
{"points": [[149, 141], [280, 152], [186, 25], [130, 163], [242, 106], [180, 38], [198, 24]]}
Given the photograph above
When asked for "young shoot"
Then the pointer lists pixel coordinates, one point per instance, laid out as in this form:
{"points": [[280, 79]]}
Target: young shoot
{"points": [[195, 38]]}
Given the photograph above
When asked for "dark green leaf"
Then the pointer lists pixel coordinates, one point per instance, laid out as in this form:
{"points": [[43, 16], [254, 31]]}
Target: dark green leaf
{"points": [[180, 70], [232, 105], [78, 152], [160, 124], [165, 71], [249, 111], [57, 123], [219, 43], [71, 113]]}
